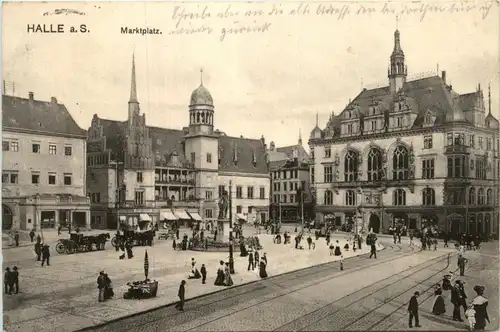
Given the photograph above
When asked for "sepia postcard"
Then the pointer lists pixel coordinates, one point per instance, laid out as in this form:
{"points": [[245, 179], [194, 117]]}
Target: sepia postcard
{"points": [[250, 166]]}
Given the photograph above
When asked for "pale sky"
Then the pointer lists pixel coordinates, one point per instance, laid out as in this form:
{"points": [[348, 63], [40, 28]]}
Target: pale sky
{"points": [[270, 83]]}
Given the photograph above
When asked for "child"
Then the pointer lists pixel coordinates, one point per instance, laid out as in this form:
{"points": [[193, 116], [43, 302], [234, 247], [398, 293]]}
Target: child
{"points": [[332, 247], [342, 263], [471, 317]]}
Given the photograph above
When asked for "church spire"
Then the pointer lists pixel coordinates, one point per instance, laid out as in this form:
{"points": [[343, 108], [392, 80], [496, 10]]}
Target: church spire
{"points": [[397, 69], [201, 77], [300, 136], [317, 119], [133, 87], [489, 99]]}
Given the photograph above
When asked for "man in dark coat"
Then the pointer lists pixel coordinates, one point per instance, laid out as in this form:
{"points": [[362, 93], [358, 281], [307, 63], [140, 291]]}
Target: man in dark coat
{"points": [[456, 301], [461, 264], [203, 271], [38, 250], [181, 294], [32, 235], [413, 310], [16, 238], [45, 254], [7, 281], [15, 280], [101, 286], [251, 263], [373, 250]]}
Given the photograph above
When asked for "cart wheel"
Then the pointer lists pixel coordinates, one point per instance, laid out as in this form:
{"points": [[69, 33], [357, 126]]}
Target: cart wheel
{"points": [[60, 248], [114, 242]]}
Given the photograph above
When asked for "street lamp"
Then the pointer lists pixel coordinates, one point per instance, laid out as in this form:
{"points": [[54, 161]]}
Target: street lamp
{"points": [[117, 192], [231, 249]]}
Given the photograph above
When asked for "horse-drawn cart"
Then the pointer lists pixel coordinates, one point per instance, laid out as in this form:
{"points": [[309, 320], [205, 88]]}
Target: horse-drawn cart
{"points": [[80, 243], [135, 238]]}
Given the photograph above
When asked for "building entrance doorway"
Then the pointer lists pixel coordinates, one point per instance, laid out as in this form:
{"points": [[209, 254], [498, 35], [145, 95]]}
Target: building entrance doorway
{"points": [[374, 223], [7, 219]]}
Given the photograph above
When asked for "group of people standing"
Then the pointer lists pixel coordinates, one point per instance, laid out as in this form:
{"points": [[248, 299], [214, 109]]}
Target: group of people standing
{"points": [[11, 280], [105, 287]]}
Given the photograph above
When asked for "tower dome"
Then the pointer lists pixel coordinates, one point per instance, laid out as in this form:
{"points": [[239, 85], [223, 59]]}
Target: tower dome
{"points": [[201, 96]]}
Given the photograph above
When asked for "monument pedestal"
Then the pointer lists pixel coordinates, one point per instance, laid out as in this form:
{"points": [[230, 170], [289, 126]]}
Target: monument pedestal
{"points": [[223, 235]]}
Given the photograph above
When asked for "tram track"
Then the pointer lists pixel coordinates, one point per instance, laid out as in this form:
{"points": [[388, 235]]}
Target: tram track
{"points": [[248, 293]]}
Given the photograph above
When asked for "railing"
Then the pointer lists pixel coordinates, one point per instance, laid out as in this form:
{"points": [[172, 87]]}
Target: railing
{"points": [[176, 181], [456, 149]]}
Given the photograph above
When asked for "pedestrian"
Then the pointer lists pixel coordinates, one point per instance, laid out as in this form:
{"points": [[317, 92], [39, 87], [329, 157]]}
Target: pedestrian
{"points": [[181, 294], [341, 263], [445, 239], [59, 228], [309, 242], [455, 300], [108, 287], [263, 268], [461, 264], [101, 286], [264, 257], [32, 235], [256, 258], [373, 250], [438, 307], [479, 305], [38, 250], [411, 239], [193, 262], [16, 238], [435, 244], [7, 281], [399, 237], [203, 271], [45, 254], [413, 310], [15, 280], [332, 247], [251, 262]]}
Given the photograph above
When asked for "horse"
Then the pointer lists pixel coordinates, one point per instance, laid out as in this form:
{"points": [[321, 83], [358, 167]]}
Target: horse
{"points": [[100, 240]]}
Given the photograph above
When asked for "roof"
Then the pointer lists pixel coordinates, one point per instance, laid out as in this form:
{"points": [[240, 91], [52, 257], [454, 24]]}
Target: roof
{"points": [[201, 96], [47, 117], [289, 151], [168, 143], [430, 94]]}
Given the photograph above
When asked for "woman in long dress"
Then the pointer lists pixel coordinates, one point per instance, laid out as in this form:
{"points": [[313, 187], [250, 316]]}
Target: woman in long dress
{"points": [[228, 281], [480, 304], [438, 307], [447, 282], [219, 280], [337, 249], [262, 269]]}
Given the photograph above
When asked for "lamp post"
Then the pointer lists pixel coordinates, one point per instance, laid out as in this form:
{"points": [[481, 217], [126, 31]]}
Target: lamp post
{"points": [[231, 249], [117, 193]]}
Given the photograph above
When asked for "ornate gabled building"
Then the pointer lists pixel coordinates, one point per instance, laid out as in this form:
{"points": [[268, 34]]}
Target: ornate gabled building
{"points": [[413, 152], [139, 173]]}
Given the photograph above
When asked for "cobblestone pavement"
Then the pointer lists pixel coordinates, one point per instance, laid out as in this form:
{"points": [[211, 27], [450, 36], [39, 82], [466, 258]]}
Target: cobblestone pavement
{"points": [[62, 297], [320, 298]]}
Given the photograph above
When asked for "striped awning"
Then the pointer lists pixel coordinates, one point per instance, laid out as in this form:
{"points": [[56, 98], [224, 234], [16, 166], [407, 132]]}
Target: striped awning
{"points": [[195, 216], [167, 215], [181, 214]]}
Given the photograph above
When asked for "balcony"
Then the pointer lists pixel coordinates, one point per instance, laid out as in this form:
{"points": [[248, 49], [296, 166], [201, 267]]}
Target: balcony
{"points": [[457, 149], [188, 203], [175, 181]]}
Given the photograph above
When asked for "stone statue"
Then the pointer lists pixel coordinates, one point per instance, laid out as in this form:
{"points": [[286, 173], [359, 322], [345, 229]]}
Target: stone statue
{"points": [[223, 206]]}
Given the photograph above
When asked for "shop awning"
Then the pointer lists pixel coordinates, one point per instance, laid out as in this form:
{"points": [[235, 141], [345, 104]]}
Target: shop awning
{"points": [[195, 216], [181, 214], [167, 215], [241, 216], [144, 217]]}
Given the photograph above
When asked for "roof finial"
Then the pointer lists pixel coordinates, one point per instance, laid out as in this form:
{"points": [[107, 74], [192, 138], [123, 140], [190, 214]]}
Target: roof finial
{"points": [[489, 99], [133, 87], [201, 76], [437, 68], [300, 136], [397, 22], [317, 119], [362, 85]]}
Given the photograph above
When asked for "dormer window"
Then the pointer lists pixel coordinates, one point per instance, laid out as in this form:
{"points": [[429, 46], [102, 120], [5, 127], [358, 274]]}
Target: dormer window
{"points": [[254, 159], [220, 155], [428, 119]]}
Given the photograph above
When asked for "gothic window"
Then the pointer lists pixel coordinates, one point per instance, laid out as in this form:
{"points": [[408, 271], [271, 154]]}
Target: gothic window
{"points": [[472, 196], [399, 197], [351, 166], [328, 197], [489, 197], [203, 117], [197, 117], [374, 164], [400, 163], [480, 196], [428, 196], [350, 198]]}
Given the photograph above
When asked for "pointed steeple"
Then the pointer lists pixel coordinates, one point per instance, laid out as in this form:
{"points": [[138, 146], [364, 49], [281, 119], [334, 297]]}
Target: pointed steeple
{"points": [[300, 136], [133, 86], [201, 77], [397, 69], [489, 99], [317, 119]]}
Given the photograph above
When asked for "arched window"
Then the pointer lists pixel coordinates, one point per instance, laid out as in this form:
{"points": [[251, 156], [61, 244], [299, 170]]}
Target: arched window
{"points": [[399, 197], [374, 165], [351, 166], [328, 197], [472, 196], [350, 197], [489, 197], [428, 196], [400, 163], [480, 196]]}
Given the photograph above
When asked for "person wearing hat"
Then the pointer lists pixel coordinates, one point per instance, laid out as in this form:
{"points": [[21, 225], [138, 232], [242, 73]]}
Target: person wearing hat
{"points": [[413, 310], [479, 305], [181, 294], [45, 254], [456, 300], [101, 286], [15, 280], [7, 281]]}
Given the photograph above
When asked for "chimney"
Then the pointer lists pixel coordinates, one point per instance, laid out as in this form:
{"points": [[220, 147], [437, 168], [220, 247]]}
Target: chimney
{"points": [[443, 75], [53, 100], [31, 98]]}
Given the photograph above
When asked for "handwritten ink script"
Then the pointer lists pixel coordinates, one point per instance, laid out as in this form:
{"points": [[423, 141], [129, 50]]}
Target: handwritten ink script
{"points": [[259, 18]]}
